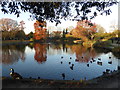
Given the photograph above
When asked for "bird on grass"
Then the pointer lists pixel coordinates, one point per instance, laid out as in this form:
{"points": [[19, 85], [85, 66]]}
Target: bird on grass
{"points": [[15, 75]]}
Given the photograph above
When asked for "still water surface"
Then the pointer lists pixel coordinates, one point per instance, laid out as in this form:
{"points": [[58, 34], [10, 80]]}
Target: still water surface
{"points": [[49, 61]]}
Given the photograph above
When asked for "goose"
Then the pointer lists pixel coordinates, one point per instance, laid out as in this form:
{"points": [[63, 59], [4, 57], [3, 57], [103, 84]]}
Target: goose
{"points": [[15, 75]]}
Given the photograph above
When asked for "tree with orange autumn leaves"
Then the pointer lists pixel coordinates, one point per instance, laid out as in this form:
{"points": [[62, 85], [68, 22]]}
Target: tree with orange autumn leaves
{"points": [[40, 30], [85, 30]]}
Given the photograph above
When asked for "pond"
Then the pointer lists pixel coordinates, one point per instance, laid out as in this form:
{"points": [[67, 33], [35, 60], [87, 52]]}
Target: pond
{"points": [[56, 61]]}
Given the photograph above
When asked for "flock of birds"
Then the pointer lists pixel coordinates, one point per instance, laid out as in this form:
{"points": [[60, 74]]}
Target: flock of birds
{"points": [[99, 62], [15, 75]]}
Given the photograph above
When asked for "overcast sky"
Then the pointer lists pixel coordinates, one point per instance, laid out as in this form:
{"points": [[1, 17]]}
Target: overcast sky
{"points": [[103, 20]]}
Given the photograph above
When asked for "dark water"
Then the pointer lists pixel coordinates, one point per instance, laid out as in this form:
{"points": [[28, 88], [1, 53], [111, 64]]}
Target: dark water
{"points": [[49, 61]]}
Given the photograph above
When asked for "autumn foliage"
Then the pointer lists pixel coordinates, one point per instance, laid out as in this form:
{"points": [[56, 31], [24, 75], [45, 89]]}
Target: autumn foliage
{"points": [[40, 30], [84, 30]]}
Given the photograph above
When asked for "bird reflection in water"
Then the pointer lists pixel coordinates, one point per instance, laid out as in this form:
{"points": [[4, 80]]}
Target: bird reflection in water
{"points": [[40, 52]]}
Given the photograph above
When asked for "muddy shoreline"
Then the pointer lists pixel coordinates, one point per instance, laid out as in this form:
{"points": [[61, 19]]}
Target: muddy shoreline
{"points": [[105, 81]]}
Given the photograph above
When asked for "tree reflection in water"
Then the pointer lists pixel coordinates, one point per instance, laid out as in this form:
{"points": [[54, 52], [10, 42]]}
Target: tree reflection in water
{"points": [[12, 53], [40, 52]]}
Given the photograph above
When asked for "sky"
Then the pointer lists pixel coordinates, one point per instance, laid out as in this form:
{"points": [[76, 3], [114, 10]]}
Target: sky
{"points": [[103, 20]]}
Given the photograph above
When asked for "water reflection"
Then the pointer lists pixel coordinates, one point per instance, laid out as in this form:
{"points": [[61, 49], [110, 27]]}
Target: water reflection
{"points": [[12, 53], [40, 52], [61, 61]]}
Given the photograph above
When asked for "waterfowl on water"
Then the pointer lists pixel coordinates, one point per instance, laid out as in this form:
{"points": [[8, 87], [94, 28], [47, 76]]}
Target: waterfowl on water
{"points": [[93, 60], [38, 77], [70, 57], [99, 63], [109, 57], [61, 57], [71, 67], [72, 64], [88, 65], [110, 62], [15, 75], [69, 62], [61, 62], [30, 77], [107, 70], [63, 75], [90, 61], [99, 58]]}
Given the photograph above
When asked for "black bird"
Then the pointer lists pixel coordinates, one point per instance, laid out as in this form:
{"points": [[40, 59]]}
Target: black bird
{"points": [[70, 57], [71, 67], [63, 75], [38, 77], [88, 65], [99, 58], [72, 64], [82, 57], [99, 63], [61, 57], [109, 57], [93, 60], [30, 77], [69, 62], [110, 62], [61, 62], [90, 61], [108, 70], [15, 75]]}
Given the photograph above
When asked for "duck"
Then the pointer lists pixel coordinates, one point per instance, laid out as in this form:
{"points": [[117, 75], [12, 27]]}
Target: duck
{"points": [[61, 57], [99, 58], [109, 57], [99, 63], [69, 62], [63, 75], [110, 62], [61, 62], [15, 75], [90, 61], [38, 77], [71, 67], [72, 64], [88, 65]]}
